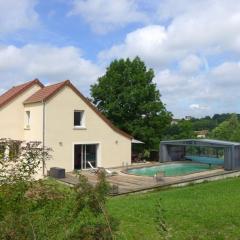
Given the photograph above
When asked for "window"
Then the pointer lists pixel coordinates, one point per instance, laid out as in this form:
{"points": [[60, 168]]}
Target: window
{"points": [[78, 119], [27, 122]]}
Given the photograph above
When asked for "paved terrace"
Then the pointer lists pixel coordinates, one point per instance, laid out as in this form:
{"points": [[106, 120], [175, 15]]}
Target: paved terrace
{"points": [[128, 183]]}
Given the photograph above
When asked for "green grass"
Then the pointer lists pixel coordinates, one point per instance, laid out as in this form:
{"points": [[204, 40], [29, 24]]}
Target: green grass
{"points": [[203, 211], [206, 211]]}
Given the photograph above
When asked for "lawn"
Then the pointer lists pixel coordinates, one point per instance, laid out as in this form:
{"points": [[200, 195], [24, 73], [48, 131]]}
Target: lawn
{"points": [[203, 211]]}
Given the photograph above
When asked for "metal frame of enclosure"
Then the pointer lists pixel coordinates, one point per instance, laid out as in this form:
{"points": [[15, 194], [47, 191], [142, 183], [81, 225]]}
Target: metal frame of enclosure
{"points": [[175, 150]]}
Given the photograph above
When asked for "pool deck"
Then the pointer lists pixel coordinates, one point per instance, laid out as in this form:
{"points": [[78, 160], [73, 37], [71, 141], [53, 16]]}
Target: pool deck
{"points": [[128, 183]]}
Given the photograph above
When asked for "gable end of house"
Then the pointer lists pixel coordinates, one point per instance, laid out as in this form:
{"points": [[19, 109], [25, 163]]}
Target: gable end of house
{"points": [[47, 93], [16, 91]]}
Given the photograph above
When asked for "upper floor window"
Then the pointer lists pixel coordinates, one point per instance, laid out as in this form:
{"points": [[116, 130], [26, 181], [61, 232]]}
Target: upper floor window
{"points": [[27, 121], [78, 119]]}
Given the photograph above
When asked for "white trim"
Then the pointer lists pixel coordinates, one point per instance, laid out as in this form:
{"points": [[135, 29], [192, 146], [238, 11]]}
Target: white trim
{"points": [[137, 141], [27, 119], [99, 151], [82, 126], [79, 128]]}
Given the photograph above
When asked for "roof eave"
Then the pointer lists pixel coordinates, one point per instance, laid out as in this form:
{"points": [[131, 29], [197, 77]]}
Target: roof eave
{"points": [[33, 102], [31, 83]]}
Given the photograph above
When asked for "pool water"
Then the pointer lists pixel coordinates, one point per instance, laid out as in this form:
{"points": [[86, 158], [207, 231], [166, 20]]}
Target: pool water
{"points": [[170, 170]]}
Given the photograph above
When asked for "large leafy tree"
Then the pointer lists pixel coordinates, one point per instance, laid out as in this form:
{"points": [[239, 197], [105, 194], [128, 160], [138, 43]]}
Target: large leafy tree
{"points": [[127, 95], [228, 130], [182, 130]]}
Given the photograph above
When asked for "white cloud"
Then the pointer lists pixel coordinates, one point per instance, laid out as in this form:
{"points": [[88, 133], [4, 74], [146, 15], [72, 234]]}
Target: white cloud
{"points": [[185, 37], [207, 27], [48, 63], [227, 74], [190, 64], [206, 24], [17, 14], [201, 94], [107, 15], [150, 43], [198, 107], [179, 90]]}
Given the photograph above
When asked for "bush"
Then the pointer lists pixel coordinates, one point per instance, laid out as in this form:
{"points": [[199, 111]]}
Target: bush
{"points": [[20, 161], [44, 209], [95, 222]]}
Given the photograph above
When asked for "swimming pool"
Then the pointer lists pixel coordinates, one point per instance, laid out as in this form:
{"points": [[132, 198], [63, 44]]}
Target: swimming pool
{"points": [[170, 170]]}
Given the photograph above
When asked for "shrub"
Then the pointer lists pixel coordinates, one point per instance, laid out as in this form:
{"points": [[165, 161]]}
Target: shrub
{"points": [[42, 209], [20, 161], [95, 222]]}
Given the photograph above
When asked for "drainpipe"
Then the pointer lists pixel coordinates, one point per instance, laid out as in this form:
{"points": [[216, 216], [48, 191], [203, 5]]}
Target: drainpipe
{"points": [[43, 135]]}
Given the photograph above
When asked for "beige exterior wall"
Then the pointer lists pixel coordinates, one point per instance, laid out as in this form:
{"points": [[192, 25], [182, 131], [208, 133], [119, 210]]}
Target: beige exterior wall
{"points": [[35, 130], [113, 148], [12, 116]]}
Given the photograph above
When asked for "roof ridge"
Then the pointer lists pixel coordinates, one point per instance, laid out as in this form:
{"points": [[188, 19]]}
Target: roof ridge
{"points": [[26, 83], [17, 90], [58, 83]]}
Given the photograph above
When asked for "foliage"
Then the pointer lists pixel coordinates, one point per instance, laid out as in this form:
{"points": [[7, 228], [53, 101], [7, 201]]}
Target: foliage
{"points": [[186, 128], [127, 95], [94, 221], [209, 123], [146, 154], [46, 210], [20, 161], [228, 130], [182, 130], [205, 123], [42, 209], [19, 203]]}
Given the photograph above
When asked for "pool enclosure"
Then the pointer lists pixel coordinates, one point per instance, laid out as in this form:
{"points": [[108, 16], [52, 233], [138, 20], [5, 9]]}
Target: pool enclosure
{"points": [[226, 153]]}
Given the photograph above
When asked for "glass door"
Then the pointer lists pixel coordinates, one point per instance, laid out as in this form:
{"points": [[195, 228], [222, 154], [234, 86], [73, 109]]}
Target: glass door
{"points": [[85, 154], [90, 155]]}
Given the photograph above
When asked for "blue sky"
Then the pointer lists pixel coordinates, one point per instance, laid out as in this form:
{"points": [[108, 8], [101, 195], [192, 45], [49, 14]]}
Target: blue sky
{"points": [[193, 46]]}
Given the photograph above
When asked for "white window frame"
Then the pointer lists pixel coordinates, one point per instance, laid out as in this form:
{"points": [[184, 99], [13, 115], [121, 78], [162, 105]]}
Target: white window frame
{"points": [[99, 151], [28, 119], [82, 125]]}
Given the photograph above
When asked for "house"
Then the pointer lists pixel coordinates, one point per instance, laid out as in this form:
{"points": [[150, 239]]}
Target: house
{"points": [[202, 133], [63, 119], [175, 121], [188, 118]]}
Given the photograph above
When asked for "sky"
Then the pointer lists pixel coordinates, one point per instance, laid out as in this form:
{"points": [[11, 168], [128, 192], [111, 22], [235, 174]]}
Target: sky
{"points": [[193, 46]]}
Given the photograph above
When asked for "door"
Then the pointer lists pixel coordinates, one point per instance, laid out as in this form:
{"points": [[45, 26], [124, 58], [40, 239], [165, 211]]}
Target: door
{"points": [[83, 154], [77, 156], [90, 155]]}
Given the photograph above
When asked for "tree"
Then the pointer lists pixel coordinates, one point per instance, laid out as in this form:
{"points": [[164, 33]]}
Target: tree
{"points": [[205, 123], [182, 130], [127, 95], [228, 130]]}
